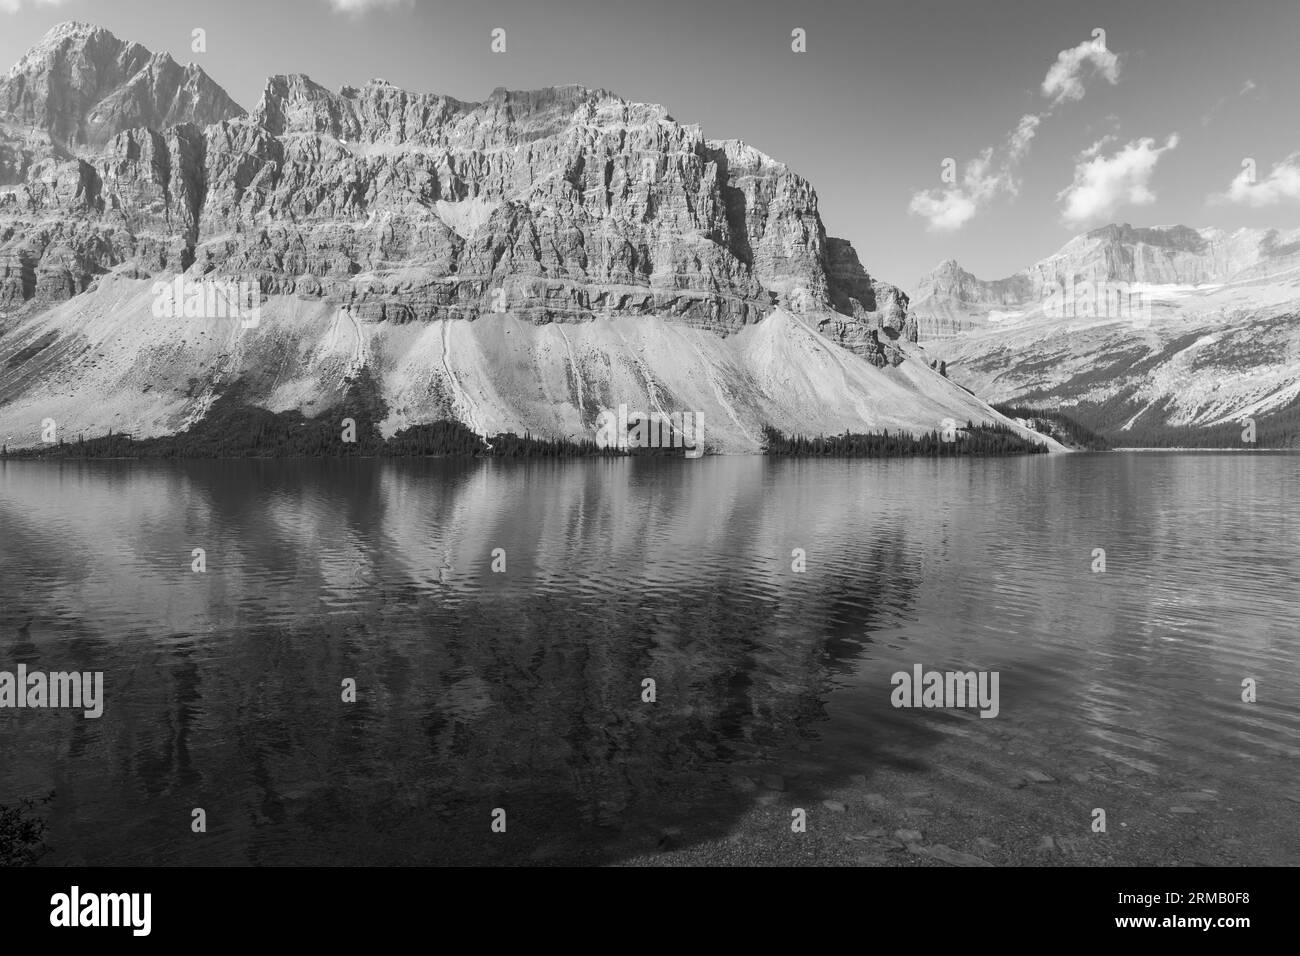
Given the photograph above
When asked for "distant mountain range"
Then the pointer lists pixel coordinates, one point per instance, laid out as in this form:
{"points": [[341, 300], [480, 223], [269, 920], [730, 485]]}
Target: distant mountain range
{"points": [[1140, 333], [517, 264]]}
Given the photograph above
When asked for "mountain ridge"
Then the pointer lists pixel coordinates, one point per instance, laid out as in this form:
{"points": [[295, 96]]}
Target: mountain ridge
{"points": [[1116, 252], [391, 216], [1133, 330], [81, 85]]}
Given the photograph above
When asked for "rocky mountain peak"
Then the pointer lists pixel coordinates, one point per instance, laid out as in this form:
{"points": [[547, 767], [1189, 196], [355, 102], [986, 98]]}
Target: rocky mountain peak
{"points": [[1126, 234], [69, 30], [949, 300], [559, 203], [1123, 238], [82, 86], [397, 220], [948, 267]]}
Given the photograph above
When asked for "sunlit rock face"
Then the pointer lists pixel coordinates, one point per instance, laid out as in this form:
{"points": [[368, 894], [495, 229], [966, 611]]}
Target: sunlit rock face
{"points": [[562, 204], [1132, 328], [370, 218]]}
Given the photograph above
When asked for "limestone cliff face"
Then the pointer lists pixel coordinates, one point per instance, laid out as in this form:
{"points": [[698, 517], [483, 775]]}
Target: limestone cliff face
{"points": [[515, 264], [1214, 336], [81, 86], [1160, 255], [949, 300], [559, 204], [873, 309]]}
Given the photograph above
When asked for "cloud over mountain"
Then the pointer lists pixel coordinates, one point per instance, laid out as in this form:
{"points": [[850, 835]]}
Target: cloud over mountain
{"points": [[1281, 185], [1064, 81], [981, 181], [1104, 183], [994, 173]]}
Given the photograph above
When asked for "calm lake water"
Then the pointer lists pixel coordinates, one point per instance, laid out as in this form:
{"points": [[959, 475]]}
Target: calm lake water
{"points": [[522, 690]]}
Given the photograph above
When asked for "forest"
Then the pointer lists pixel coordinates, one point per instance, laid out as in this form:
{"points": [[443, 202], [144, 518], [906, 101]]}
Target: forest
{"points": [[973, 440], [1063, 428], [235, 428]]}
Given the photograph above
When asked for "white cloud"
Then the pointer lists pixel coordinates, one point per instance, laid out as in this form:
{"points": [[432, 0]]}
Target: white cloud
{"points": [[948, 209], [1104, 183], [13, 6], [1023, 135], [1281, 184], [1248, 87], [358, 7], [1064, 80], [1213, 111], [952, 207], [1096, 148]]}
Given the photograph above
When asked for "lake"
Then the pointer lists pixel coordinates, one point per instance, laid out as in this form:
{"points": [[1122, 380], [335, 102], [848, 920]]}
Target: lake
{"points": [[524, 689]]}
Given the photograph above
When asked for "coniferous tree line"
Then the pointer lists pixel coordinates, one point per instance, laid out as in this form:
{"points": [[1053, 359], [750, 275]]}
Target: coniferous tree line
{"points": [[239, 431], [1065, 428], [1276, 429], [234, 428], [1271, 432], [973, 440], [457, 440]]}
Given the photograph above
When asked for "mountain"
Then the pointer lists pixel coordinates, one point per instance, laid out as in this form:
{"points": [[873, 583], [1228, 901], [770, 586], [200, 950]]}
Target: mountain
{"points": [[516, 264], [1133, 331], [81, 86], [949, 299]]}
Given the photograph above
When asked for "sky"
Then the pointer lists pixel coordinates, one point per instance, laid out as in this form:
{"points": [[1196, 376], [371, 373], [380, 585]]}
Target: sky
{"points": [[1180, 111]]}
